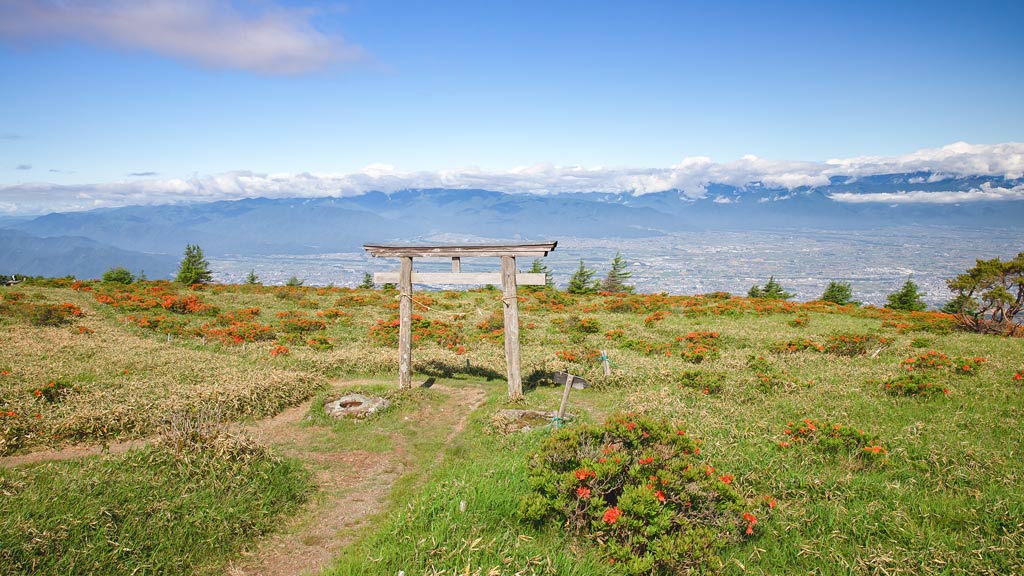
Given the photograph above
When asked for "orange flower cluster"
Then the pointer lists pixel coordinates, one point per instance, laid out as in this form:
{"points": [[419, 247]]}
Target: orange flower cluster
{"points": [[928, 361], [612, 515]]}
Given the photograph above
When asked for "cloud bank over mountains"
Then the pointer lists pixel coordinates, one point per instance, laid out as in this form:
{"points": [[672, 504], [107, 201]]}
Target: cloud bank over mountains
{"points": [[691, 176]]}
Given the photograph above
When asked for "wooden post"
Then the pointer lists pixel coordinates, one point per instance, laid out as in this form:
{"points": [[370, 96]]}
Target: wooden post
{"points": [[405, 324], [565, 398], [604, 361], [456, 264], [508, 287]]}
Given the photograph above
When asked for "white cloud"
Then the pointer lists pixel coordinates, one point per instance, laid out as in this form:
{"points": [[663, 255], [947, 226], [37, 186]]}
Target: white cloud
{"points": [[957, 159], [691, 176], [214, 33], [985, 192]]}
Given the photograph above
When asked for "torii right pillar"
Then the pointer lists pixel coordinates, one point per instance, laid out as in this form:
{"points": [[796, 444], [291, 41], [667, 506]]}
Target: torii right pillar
{"points": [[510, 299]]}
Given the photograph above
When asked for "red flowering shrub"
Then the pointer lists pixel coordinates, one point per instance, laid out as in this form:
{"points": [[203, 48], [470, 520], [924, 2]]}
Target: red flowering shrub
{"points": [[702, 380], [932, 360], [567, 355], [492, 328], [800, 321], [832, 438], [576, 326], [968, 366], [798, 345], [639, 485], [15, 304], [698, 346], [645, 347], [915, 385], [320, 343], [279, 351], [334, 314], [449, 335], [654, 317], [853, 344], [53, 391], [768, 378], [295, 321]]}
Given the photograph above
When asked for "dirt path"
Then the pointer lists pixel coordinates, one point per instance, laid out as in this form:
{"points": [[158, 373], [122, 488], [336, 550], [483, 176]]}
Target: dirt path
{"points": [[70, 452], [354, 485]]}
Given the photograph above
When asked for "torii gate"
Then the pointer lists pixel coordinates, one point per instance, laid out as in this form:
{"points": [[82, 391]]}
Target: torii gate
{"points": [[509, 278]]}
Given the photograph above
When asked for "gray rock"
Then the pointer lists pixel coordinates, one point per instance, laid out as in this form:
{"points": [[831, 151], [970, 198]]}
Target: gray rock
{"points": [[355, 406]]}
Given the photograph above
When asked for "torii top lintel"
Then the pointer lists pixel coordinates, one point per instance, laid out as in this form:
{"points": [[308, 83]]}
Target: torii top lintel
{"points": [[460, 251]]}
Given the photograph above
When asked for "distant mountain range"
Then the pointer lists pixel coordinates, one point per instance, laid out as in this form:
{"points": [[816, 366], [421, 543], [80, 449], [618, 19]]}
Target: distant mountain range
{"points": [[23, 253], [153, 237]]}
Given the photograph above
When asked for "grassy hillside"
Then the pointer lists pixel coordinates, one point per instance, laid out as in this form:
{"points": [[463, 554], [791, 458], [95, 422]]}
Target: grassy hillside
{"points": [[941, 493]]}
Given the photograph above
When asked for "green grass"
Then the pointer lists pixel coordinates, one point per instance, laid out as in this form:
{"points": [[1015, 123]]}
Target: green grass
{"points": [[148, 511], [428, 533], [945, 500]]}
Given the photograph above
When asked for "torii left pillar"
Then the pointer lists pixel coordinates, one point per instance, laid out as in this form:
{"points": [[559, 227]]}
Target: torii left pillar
{"points": [[405, 324]]}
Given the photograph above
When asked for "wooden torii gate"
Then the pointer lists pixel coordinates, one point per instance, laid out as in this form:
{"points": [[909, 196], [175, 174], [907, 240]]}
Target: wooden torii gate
{"points": [[509, 278]]}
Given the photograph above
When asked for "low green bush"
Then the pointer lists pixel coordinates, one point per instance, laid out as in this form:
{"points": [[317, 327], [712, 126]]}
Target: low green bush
{"points": [[637, 488]]}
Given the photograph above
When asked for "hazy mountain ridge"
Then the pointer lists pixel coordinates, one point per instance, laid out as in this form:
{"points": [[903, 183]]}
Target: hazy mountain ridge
{"points": [[262, 226], [22, 253]]}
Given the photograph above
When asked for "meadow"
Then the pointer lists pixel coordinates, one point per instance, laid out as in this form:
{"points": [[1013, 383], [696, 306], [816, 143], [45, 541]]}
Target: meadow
{"points": [[930, 482]]}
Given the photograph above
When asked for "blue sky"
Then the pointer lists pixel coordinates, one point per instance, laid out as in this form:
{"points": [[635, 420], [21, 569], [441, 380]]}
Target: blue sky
{"points": [[104, 91]]}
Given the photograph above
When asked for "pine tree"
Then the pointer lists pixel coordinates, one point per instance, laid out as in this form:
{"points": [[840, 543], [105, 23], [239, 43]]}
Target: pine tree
{"points": [[772, 291], [838, 293], [960, 304], [294, 282], [539, 267], [252, 278], [617, 276], [908, 298], [367, 281], [582, 281], [194, 268]]}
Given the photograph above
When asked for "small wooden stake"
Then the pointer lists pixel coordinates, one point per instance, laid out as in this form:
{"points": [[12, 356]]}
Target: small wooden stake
{"points": [[565, 397], [604, 360]]}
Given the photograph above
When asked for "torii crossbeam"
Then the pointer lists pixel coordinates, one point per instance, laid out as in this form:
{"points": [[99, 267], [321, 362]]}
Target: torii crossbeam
{"points": [[508, 277]]}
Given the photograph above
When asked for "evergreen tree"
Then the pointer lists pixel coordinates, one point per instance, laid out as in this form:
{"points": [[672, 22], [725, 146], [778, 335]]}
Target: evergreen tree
{"points": [[994, 290], [119, 275], [772, 291], [615, 281], [141, 277], [582, 281], [294, 282], [908, 298], [539, 267], [838, 293], [960, 304], [367, 281], [252, 278], [194, 268]]}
